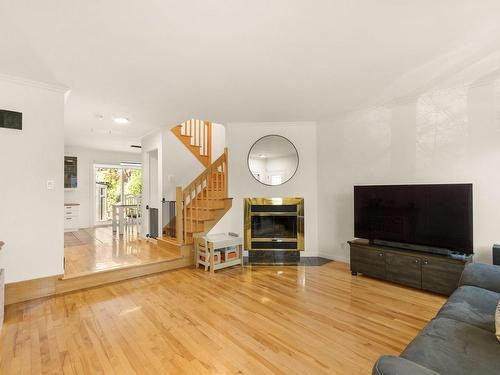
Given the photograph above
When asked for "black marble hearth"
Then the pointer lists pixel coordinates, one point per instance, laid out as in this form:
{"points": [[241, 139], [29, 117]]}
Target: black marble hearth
{"points": [[274, 257], [304, 261]]}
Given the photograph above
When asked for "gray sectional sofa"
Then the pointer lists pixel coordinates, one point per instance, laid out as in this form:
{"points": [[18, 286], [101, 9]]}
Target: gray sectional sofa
{"points": [[461, 338]]}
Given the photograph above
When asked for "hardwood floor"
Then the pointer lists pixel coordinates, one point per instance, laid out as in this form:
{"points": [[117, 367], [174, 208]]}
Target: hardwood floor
{"points": [[97, 249], [261, 320]]}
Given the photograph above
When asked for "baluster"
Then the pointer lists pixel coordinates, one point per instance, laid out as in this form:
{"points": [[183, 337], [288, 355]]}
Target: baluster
{"points": [[195, 125], [209, 171], [185, 218], [209, 141], [191, 131], [203, 138], [198, 133], [202, 142], [217, 181], [193, 121], [226, 182]]}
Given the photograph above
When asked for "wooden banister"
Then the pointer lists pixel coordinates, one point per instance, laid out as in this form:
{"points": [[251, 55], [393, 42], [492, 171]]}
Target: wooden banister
{"points": [[210, 185], [179, 214], [196, 135]]}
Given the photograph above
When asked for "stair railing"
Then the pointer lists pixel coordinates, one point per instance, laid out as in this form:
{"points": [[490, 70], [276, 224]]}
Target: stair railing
{"points": [[210, 185], [200, 133]]}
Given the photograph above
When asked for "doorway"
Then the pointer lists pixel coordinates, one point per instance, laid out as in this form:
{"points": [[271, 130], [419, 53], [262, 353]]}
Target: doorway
{"points": [[114, 184]]}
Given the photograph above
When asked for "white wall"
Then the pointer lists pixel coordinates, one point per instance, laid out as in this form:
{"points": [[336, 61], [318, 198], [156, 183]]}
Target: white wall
{"points": [[180, 166], [31, 216], [153, 151], [448, 134], [240, 138], [84, 194], [218, 140]]}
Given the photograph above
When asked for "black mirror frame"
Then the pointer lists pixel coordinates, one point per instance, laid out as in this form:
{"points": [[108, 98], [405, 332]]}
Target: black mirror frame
{"points": [[273, 135]]}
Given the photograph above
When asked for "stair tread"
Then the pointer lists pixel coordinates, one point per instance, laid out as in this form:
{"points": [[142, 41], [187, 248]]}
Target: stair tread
{"points": [[203, 208], [170, 240], [213, 198]]}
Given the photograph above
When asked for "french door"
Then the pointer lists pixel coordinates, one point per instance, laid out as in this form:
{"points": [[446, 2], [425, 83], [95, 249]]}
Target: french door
{"points": [[114, 184]]}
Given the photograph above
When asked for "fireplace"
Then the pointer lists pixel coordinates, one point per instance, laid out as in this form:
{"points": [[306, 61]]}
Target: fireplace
{"points": [[274, 229]]}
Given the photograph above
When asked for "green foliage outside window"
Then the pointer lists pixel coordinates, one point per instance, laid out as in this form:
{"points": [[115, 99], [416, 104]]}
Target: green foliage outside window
{"points": [[132, 184]]}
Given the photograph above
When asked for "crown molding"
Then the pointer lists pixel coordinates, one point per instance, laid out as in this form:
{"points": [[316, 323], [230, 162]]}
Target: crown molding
{"points": [[32, 83]]}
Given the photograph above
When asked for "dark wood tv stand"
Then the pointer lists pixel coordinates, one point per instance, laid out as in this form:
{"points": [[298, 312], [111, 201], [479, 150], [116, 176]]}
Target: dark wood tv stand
{"points": [[436, 273]]}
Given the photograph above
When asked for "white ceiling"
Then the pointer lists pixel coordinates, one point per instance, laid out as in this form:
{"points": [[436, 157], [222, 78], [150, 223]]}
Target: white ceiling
{"points": [[160, 62]]}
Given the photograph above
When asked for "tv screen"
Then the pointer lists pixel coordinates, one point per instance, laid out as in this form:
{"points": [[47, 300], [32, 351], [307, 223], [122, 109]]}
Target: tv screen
{"points": [[429, 215]]}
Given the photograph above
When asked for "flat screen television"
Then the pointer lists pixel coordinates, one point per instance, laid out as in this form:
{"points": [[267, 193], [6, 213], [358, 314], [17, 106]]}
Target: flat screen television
{"points": [[436, 216]]}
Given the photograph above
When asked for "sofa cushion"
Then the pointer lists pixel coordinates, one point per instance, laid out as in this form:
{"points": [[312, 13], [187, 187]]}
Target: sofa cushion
{"points": [[497, 321], [389, 365], [473, 305], [449, 346], [484, 276]]}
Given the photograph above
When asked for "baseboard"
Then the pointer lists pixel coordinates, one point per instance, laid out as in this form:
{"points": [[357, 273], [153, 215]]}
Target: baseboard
{"points": [[54, 285], [337, 258]]}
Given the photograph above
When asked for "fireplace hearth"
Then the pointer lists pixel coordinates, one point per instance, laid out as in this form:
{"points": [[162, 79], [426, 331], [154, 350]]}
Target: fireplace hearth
{"points": [[274, 230]]}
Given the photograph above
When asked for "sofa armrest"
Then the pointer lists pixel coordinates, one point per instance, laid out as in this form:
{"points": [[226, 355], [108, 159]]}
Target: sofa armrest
{"points": [[390, 365], [484, 276]]}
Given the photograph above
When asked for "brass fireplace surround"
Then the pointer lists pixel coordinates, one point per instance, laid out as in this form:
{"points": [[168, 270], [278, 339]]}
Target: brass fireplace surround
{"points": [[299, 213]]}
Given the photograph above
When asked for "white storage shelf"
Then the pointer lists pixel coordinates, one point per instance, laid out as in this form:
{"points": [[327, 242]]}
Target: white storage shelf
{"points": [[212, 247]]}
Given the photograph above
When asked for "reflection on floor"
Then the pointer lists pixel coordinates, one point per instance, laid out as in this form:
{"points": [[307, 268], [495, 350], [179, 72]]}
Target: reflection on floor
{"points": [[97, 249], [251, 320]]}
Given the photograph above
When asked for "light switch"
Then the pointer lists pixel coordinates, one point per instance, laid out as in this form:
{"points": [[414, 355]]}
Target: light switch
{"points": [[50, 184]]}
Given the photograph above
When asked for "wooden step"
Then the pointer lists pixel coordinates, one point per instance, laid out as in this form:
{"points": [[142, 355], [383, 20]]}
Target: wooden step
{"points": [[211, 193], [169, 243], [193, 226], [210, 203], [200, 213], [172, 244]]}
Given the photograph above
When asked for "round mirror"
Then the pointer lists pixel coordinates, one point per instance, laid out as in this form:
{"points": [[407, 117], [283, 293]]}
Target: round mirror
{"points": [[273, 160]]}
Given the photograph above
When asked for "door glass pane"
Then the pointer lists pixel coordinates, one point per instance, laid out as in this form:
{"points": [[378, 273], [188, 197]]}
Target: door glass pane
{"points": [[132, 184], [112, 179]]}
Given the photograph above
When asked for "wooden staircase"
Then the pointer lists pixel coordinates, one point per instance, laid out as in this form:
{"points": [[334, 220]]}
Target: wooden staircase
{"points": [[196, 135], [201, 204]]}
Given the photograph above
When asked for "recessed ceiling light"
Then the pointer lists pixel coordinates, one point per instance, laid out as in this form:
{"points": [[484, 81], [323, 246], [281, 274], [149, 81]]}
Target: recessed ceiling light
{"points": [[121, 120]]}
